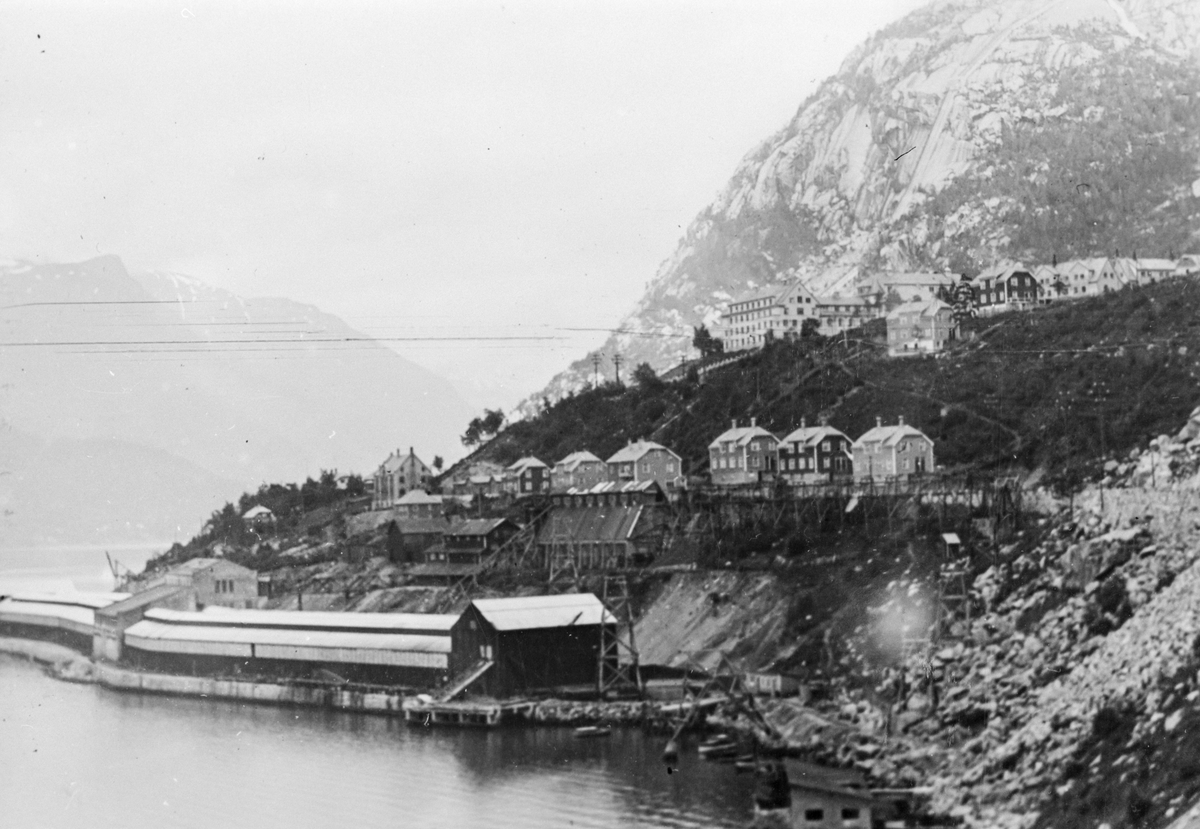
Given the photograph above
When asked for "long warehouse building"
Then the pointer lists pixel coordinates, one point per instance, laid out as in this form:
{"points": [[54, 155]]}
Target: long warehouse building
{"points": [[64, 618], [409, 649]]}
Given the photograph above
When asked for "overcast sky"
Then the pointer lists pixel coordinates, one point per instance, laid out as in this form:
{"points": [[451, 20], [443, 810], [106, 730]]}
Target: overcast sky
{"points": [[423, 168]]}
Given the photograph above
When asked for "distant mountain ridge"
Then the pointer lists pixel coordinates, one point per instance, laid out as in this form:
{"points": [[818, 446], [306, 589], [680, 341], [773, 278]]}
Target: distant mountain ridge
{"points": [[964, 133], [104, 373]]}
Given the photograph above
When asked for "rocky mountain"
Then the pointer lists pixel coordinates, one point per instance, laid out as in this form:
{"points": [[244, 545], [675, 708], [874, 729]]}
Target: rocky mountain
{"points": [[967, 132], [132, 405]]}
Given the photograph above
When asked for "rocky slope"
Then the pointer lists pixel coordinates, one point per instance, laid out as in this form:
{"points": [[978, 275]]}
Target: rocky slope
{"points": [[964, 133]]}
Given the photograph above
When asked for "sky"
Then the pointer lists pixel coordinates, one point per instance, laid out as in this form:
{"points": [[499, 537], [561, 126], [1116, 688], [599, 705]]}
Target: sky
{"points": [[416, 168]]}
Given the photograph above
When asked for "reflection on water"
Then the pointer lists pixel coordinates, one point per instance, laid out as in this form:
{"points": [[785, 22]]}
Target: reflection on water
{"points": [[77, 755]]}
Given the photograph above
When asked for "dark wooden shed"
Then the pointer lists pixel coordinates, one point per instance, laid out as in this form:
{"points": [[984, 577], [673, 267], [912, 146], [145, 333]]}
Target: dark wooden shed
{"points": [[534, 643]]}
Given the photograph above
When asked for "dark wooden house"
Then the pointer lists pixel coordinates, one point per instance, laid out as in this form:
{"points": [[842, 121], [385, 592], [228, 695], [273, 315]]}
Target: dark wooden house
{"points": [[535, 643], [409, 538]]}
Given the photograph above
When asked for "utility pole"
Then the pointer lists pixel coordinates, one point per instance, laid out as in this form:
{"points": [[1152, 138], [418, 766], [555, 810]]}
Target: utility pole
{"points": [[617, 365], [596, 370]]}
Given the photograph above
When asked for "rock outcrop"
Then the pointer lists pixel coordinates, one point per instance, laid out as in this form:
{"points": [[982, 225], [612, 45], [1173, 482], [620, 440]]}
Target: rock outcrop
{"points": [[963, 133]]}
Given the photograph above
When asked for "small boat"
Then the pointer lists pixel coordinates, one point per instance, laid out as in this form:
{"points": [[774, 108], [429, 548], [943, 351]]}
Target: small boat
{"points": [[593, 731], [724, 750], [745, 763]]}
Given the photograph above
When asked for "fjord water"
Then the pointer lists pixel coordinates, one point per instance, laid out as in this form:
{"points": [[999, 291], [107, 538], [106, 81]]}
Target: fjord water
{"points": [[83, 756]]}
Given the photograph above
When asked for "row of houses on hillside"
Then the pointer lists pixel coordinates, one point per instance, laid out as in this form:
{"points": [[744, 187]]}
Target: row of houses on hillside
{"points": [[743, 455], [781, 311], [640, 460]]}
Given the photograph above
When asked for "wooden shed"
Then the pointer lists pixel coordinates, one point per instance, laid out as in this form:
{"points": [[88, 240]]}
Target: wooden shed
{"points": [[534, 643]]}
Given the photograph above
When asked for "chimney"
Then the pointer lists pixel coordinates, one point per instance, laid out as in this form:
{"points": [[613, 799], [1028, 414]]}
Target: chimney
{"points": [[878, 422], [733, 423], [824, 420], [901, 420], [802, 424], [753, 422]]}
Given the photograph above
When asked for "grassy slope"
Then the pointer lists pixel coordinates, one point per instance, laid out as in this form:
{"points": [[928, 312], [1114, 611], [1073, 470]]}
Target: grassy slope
{"points": [[1032, 390]]}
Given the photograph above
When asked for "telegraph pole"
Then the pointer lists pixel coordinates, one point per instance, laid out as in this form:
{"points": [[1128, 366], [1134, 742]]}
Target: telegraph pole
{"points": [[617, 365], [596, 370]]}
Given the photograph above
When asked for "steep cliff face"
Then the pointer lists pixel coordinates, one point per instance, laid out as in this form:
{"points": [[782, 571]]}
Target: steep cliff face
{"points": [[964, 133]]}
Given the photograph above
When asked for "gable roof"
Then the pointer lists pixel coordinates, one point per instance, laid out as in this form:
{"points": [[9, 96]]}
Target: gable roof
{"points": [[572, 461], [636, 450], [1001, 270], [1155, 264], [197, 565], [741, 435], [616, 486], [532, 612], [812, 435], [527, 462], [599, 523], [890, 435], [926, 308]]}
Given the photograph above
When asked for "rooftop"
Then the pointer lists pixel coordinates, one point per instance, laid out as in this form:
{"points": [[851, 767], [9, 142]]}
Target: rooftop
{"points": [[532, 612], [635, 450], [417, 497]]}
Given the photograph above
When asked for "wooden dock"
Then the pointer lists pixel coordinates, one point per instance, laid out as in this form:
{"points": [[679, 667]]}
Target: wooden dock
{"points": [[466, 713]]}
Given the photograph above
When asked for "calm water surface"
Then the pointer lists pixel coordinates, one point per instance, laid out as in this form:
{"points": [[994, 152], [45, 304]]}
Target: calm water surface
{"points": [[83, 756]]}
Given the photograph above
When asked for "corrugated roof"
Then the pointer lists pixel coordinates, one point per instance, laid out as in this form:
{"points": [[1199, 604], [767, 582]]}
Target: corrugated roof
{"points": [[599, 523], [307, 619], [635, 450], [615, 486], [151, 629], [532, 612]]}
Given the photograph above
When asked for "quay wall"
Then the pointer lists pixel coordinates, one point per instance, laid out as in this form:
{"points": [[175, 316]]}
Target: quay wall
{"points": [[67, 664]]}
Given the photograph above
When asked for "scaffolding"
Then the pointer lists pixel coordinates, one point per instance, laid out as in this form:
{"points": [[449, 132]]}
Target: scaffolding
{"points": [[619, 669]]}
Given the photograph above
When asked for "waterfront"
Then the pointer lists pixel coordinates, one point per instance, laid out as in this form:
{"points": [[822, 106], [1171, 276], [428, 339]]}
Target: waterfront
{"points": [[80, 755]]}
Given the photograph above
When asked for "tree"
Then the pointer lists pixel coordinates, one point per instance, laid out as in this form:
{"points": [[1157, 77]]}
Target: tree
{"points": [[493, 421], [481, 428], [706, 343], [811, 327], [438, 463], [646, 378]]}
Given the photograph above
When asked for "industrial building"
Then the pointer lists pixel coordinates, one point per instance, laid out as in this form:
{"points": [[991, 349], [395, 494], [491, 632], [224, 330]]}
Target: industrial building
{"points": [[608, 526], [65, 619], [535, 643], [408, 649], [113, 620]]}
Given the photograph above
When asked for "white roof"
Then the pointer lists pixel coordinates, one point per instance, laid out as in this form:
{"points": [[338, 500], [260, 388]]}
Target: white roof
{"points": [[418, 496], [529, 462], [78, 599], [571, 461], [742, 435], [890, 435], [531, 612], [303, 619], [45, 610], [635, 450], [1156, 264], [149, 628], [254, 512], [927, 307]]}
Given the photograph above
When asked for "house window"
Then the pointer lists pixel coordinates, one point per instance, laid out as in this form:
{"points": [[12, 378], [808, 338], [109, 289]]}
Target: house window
{"points": [[754, 460], [850, 814], [825, 446], [670, 466], [814, 815]]}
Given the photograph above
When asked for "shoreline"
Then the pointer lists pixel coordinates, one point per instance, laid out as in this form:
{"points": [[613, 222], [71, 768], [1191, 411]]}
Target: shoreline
{"points": [[63, 663]]}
